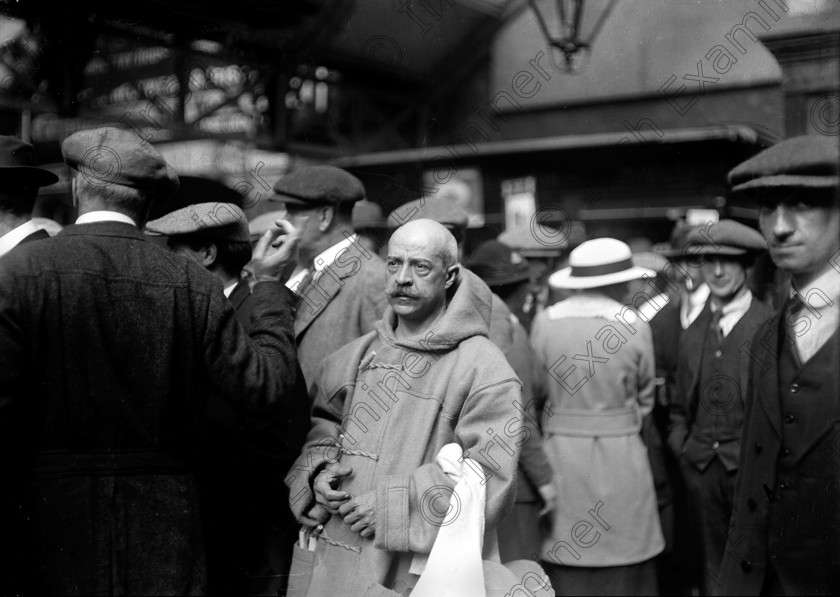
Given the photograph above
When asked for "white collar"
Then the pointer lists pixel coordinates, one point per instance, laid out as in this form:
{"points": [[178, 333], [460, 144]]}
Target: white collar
{"points": [[327, 257], [12, 238], [104, 216], [827, 283], [228, 290]]}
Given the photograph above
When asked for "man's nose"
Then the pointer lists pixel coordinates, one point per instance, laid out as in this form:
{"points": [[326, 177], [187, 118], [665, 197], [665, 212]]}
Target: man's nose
{"points": [[781, 224], [403, 276], [718, 267]]}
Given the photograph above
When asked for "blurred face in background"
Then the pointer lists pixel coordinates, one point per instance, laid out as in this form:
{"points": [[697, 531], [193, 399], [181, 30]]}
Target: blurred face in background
{"points": [[725, 275]]}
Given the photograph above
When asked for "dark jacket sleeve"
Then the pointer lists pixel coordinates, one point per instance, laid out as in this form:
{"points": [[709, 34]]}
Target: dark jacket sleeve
{"points": [[678, 411], [253, 373]]}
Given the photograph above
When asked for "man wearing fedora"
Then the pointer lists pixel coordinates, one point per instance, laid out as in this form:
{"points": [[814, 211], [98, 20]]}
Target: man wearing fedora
{"points": [[339, 281], [20, 180], [109, 346], [509, 275], [707, 408], [248, 527], [598, 358], [784, 536]]}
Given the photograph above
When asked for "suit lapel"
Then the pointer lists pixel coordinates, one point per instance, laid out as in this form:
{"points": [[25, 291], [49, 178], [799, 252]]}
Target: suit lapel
{"points": [[766, 352], [315, 295], [694, 340], [240, 292]]}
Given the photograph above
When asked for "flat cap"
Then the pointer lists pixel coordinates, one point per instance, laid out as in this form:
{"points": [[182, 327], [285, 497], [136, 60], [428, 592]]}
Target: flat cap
{"points": [[211, 221], [112, 156], [726, 237], [434, 208], [651, 260], [809, 161], [318, 185], [498, 264]]}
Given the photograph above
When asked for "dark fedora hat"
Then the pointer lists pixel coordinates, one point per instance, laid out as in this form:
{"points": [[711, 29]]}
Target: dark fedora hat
{"points": [[497, 264], [17, 165]]}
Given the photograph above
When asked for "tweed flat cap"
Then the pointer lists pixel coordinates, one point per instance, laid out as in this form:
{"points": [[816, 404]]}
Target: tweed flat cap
{"points": [[212, 221], [17, 165], [434, 208], [809, 161], [726, 237], [112, 156], [497, 264], [318, 185]]}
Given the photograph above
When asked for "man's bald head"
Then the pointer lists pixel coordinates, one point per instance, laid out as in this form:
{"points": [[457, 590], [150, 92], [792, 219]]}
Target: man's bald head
{"points": [[421, 267], [432, 234]]}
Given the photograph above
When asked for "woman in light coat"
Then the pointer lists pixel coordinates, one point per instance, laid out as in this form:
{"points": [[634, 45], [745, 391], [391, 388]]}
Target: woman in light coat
{"points": [[598, 358]]}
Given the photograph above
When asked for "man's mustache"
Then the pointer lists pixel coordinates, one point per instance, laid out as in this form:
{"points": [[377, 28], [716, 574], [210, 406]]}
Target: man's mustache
{"points": [[397, 291]]}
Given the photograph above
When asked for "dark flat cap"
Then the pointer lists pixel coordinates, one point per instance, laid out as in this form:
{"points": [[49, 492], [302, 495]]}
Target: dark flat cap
{"points": [[318, 185], [678, 241], [498, 264], [811, 161], [17, 165], [726, 237], [112, 156], [212, 221], [440, 210]]}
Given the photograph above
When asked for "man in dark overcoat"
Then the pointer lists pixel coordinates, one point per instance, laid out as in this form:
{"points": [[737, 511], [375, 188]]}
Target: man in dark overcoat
{"points": [[339, 281], [20, 180], [109, 346], [784, 536], [707, 409]]}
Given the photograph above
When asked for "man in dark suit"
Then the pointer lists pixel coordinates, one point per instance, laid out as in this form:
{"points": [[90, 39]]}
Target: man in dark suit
{"points": [[109, 346], [339, 281], [20, 180], [784, 536], [248, 527], [707, 409]]}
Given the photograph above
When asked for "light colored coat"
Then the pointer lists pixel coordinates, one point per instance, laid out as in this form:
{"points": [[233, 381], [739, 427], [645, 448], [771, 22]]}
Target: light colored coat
{"points": [[598, 358], [385, 407]]}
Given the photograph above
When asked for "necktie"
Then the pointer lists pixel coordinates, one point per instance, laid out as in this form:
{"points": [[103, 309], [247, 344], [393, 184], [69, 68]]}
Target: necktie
{"points": [[716, 315], [793, 310]]}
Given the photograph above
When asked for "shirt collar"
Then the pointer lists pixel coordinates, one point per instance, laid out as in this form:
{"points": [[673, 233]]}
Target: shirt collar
{"points": [[228, 290], [737, 306], [104, 216], [827, 283], [327, 257], [12, 238]]}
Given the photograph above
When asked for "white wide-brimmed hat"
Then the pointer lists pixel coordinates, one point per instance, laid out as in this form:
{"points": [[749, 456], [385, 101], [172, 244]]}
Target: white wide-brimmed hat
{"points": [[598, 262]]}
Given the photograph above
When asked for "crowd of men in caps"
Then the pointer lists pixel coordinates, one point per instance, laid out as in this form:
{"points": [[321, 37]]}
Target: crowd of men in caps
{"points": [[194, 404]]}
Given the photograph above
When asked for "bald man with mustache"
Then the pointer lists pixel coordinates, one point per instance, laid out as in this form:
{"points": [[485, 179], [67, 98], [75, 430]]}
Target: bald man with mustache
{"points": [[366, 482]]}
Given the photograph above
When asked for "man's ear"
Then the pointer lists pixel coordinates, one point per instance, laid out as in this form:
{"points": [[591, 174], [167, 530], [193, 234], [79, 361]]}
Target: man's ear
{"points": [[452, 275], [209, 253], [326, 216]]}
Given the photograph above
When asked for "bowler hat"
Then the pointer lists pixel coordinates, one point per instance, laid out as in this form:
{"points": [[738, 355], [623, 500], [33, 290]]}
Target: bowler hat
{"points": [[725, 237], [598, 262], [211, 221], [434, 208], [111, 156], [811, 161], [367, 215], [497, 264], [318, 185], [17, 165]]}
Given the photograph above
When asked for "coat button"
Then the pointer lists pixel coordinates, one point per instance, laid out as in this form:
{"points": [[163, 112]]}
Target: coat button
{"points": [[718, 353], [794, 388], [786, 452], [784, 485], [758, 448], [789, 419], [746, 566], [751, 505], [715, 445]]}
